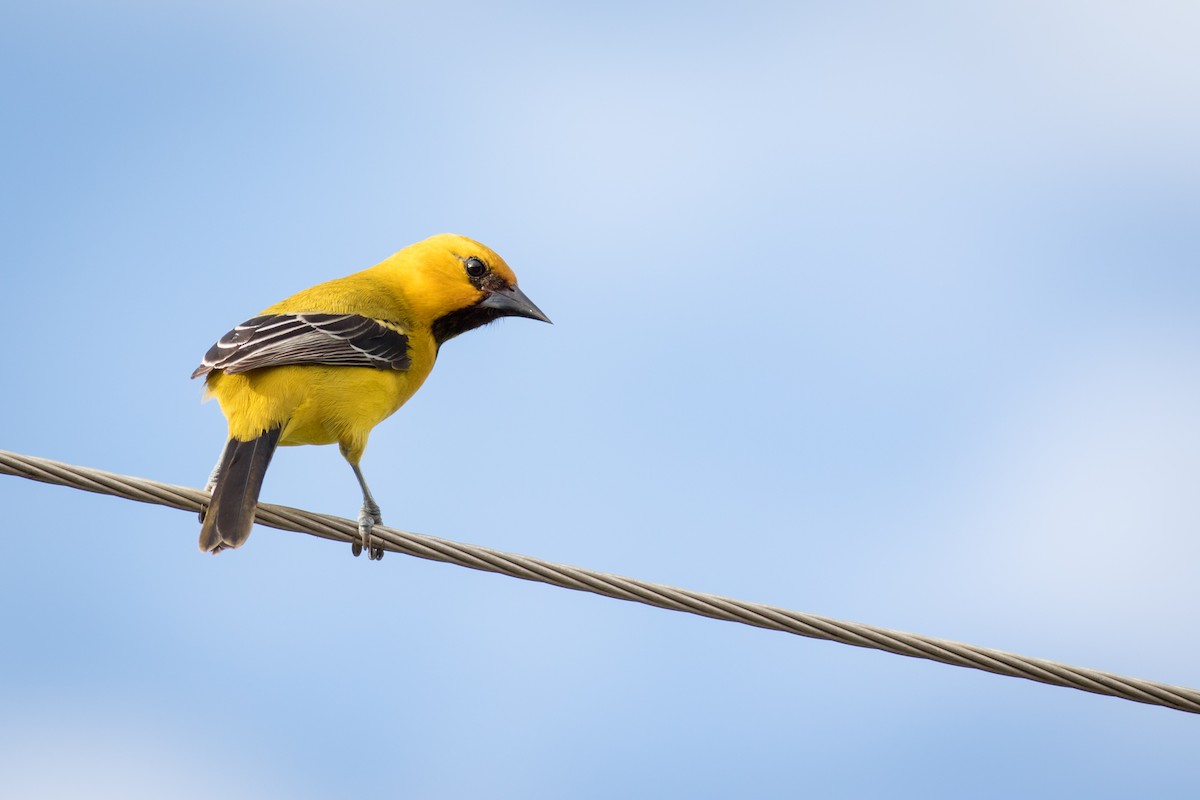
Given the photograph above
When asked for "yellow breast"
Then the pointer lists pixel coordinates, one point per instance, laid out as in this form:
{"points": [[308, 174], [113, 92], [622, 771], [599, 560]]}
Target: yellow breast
{"points": [[319, 404]]}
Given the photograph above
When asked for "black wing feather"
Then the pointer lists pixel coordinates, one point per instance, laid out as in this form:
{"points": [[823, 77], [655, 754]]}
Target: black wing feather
{"points": [[276, 340]]}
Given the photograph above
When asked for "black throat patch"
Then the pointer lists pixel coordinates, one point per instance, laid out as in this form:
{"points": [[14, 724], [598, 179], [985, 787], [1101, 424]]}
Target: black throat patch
{"points": [[466, 319]]}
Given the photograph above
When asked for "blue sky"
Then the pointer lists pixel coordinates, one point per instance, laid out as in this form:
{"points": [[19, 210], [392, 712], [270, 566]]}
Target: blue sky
{"points": [[881, 311]]}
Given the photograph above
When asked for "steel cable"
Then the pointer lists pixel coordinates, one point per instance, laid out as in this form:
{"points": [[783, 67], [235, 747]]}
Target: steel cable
{"points": [[616, 586]]}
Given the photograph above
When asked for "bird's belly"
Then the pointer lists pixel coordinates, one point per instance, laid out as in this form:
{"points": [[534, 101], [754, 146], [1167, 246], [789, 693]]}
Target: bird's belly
{"points": [[346, 403], [314, 404]]}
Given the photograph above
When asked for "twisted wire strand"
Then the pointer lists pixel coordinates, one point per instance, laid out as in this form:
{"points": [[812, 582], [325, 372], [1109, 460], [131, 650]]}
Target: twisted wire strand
{"points": [[622, 588]]}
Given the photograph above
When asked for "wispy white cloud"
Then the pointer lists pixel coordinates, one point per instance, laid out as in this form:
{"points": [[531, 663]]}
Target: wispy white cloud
{"points": [[1082, 514], [59, 751]]}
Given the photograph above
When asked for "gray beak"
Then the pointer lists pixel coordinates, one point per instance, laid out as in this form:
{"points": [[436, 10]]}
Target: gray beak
{"points": [[513, 303]]}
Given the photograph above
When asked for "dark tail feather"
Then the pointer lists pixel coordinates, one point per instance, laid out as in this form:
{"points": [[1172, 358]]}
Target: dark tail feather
{"points": [[231, 511]]}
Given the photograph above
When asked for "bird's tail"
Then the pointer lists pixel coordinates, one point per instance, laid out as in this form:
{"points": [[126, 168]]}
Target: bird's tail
{"points": [[230, 512]]}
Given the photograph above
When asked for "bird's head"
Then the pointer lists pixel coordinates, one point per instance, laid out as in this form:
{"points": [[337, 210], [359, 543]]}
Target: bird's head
{"points": [[455, 284]]}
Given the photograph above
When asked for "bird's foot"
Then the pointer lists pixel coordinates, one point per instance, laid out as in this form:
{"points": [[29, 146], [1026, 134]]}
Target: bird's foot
{"points": [[368, 517]]}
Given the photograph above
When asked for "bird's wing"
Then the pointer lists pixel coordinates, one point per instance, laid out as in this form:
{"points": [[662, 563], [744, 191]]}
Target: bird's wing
{"points": [[275, 340]]}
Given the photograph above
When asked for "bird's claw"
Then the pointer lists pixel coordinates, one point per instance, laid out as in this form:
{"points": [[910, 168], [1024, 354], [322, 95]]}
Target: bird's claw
{"points": [[368, 517]]}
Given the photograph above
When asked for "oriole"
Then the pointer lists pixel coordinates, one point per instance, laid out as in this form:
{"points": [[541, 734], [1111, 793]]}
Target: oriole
{"points": [[330, 363]]}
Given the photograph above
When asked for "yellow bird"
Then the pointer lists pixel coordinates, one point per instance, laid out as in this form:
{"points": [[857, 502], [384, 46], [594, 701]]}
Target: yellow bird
{"points": [[330, 363]]}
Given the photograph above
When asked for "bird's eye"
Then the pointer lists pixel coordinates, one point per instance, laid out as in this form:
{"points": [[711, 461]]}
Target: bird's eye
{"points": [[475, 267]]}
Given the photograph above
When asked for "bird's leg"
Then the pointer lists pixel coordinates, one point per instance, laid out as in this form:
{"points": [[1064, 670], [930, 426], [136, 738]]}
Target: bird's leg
{"points": [[212, 482], [368, 517], [212, 477]]}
